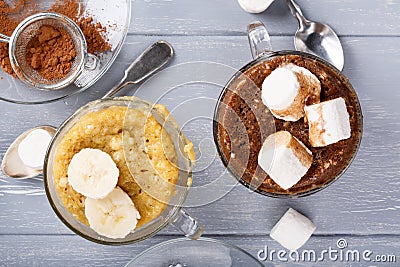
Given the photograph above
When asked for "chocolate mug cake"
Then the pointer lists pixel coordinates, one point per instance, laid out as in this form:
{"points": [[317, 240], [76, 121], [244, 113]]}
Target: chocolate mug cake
{"points": [[242, 103]]}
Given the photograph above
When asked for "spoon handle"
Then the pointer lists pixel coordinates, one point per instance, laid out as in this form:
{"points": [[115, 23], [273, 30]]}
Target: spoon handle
{"points": [[151, 60], [296, 12]]}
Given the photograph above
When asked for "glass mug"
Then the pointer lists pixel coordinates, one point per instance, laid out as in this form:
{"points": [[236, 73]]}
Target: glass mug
{"points": [[261, 51], [172, 214]]}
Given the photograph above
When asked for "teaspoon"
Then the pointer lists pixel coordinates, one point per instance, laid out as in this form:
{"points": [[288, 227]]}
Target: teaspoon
{"points": [[151, 60], [316, 38]]}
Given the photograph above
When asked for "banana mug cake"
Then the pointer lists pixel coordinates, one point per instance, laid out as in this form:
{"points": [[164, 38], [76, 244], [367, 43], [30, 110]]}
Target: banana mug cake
{"points": [[109, 163]]}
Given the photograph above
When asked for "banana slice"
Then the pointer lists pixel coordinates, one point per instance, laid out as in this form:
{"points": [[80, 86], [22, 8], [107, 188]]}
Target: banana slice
{"points": [[114, 216], [92, 173]]}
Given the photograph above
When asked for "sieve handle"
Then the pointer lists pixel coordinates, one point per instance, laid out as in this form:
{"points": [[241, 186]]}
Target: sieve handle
{"points": [[91, 62], [4, 38], [151, 60]]}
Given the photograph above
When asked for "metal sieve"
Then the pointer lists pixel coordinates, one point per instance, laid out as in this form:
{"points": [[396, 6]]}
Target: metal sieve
{"points": [[28, 29]]}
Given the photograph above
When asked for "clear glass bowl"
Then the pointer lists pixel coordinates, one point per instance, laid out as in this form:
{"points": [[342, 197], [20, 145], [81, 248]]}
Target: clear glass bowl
{"points": [[115, 13], [172, 213], [205, 252]]}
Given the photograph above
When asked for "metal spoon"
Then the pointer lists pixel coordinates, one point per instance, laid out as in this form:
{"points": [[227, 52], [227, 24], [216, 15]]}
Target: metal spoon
{"points": [[316, 38], [145, 65], [13, 166]]}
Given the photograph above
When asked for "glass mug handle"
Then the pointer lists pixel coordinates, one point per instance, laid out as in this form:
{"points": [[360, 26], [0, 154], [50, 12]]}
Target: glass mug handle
{"points": [[258, 39], [188, 225]]}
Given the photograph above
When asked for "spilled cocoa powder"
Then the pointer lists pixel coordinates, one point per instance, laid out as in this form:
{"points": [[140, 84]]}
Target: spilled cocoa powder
{"points": [[11, 16], [51, 52], [92, 31]]}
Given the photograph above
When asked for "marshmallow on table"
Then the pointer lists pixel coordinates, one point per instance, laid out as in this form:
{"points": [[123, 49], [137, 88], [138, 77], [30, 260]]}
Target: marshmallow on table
{"points": [[328, 122], [293, 230], [255, 6], [286, 90], [284, 158]]}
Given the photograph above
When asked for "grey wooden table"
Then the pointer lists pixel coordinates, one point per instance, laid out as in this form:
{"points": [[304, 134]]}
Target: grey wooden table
{"points": [[363, 207]]}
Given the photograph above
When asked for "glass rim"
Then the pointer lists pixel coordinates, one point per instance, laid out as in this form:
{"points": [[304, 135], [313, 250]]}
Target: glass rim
{"points": [[183, 239], [267, 55], [172, 213]]}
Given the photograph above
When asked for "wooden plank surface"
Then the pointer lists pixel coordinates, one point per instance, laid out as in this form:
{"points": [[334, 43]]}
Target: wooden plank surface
{"points": [[366, 198], [362, 206], [225, 17], [42, 250]]}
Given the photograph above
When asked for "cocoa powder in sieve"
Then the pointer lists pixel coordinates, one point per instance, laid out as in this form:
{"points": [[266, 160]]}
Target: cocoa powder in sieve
{"points": [[10, 16], [51, 52]]}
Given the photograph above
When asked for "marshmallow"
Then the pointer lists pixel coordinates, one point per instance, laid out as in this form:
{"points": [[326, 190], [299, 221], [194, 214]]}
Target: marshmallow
{"points": [[328, 122], [32, 149], [293, 230], [286, 90], [284, 158], [255, 6]]}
